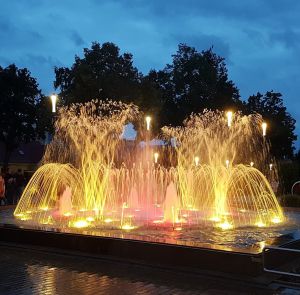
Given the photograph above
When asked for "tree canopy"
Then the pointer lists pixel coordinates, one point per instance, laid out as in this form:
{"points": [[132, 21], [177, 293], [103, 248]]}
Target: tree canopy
{"points": [[103, 73], [281, 125], [19, 109], [192, 82]]}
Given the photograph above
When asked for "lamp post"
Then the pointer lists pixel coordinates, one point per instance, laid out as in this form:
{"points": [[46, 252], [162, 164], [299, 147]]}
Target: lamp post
{"points": [[227, 163], [148, 120], [53, 98], [264, 128], [229, 115]]}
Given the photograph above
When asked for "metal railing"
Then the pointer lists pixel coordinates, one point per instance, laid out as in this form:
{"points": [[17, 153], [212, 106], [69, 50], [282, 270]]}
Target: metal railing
{"points": [[292, 190], [276, 271]]}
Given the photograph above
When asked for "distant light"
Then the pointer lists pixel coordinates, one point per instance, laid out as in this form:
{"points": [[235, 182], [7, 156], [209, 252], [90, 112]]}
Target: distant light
{"points": [[264, 126], [227, 163], [53, 100], [251, 164], [229, 115], [271, 167], [197, 160], [148, 120], [156, 155]]}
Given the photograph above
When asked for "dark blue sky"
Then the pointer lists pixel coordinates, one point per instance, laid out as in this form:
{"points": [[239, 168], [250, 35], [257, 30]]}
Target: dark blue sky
{"points": [[260, 39]]}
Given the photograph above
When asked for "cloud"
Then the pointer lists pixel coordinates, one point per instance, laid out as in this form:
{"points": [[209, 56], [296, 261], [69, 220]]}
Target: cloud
{"points": [[77, 39], [288, 38]]}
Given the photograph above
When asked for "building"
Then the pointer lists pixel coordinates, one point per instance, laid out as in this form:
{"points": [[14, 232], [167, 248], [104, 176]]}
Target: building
{"points": [[26, 157]]}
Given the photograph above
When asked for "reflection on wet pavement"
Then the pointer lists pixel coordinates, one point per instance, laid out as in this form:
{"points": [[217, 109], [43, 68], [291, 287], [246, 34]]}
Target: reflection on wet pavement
{"points": [[27, 271]]}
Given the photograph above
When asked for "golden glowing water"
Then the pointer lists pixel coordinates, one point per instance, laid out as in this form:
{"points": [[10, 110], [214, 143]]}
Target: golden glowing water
{"points": [[91, 177]]}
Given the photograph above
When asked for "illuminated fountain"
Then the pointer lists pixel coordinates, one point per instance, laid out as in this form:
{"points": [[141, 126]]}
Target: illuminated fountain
{"points": [[91, 177]]}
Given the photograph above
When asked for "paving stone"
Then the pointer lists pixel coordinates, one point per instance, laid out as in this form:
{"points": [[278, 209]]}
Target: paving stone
{"points": [[27, 271]]}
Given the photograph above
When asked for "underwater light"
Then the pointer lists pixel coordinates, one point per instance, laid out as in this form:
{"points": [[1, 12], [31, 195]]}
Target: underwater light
{"points": [[225, 225], [80, 223]]}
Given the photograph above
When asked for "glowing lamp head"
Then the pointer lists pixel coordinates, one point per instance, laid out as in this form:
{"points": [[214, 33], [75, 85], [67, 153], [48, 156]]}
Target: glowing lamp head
{"points": [[197, 160], [227, 163], [271, 167], [251, 164], [53, 98], [156, 155], [229, 115], [264, 128], [148, 120]]}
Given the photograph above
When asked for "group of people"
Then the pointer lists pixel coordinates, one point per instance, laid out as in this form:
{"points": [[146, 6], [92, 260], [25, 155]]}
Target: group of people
{"points": [[11, 187]]}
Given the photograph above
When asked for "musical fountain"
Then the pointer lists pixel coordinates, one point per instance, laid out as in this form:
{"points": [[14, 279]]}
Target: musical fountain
{"points": [[91, 177], [205, 192]]}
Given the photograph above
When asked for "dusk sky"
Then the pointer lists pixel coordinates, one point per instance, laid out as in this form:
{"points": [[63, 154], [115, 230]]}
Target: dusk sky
{"points": [[260, 39]]}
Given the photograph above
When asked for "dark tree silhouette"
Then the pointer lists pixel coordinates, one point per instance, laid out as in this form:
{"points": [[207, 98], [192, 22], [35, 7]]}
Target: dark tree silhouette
{"points": [[104, 73], [19, 109], [194, 81], [281, 125]]}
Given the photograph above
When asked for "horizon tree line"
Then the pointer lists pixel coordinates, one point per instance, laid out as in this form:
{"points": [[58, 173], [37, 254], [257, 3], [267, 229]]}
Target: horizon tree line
{"points": [[192, 82]]}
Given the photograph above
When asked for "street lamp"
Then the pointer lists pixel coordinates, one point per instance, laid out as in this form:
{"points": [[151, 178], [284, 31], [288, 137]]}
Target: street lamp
{"points": [[264, 128], [229, 115], [227, 163], [53, 98], [148, 120]]}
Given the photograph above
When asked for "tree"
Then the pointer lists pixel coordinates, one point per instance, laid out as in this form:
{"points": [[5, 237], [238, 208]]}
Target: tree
{"points": [[103, 73], [19, 101], [194, 81], [281, 125]]}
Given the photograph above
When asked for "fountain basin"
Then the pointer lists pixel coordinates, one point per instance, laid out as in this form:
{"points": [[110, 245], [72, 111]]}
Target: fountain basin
{"points": [[239, 251]]}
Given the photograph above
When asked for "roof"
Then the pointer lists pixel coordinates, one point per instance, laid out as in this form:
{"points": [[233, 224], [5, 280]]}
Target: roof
{"points": [[31, 152]]}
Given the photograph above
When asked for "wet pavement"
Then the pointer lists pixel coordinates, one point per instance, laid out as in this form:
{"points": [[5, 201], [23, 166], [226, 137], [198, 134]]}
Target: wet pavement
{"points": [[38, 271]]}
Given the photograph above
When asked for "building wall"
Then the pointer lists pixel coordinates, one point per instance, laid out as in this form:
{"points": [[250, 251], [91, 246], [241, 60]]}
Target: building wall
{"points": [[25, 167]]}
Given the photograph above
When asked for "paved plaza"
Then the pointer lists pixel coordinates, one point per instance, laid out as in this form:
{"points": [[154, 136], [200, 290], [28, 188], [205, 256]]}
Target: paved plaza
{"points": [[26, 271]]}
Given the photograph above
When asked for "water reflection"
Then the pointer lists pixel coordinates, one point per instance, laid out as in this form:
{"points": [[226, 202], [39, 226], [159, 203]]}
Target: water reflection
{"points": [[245, 239]]}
